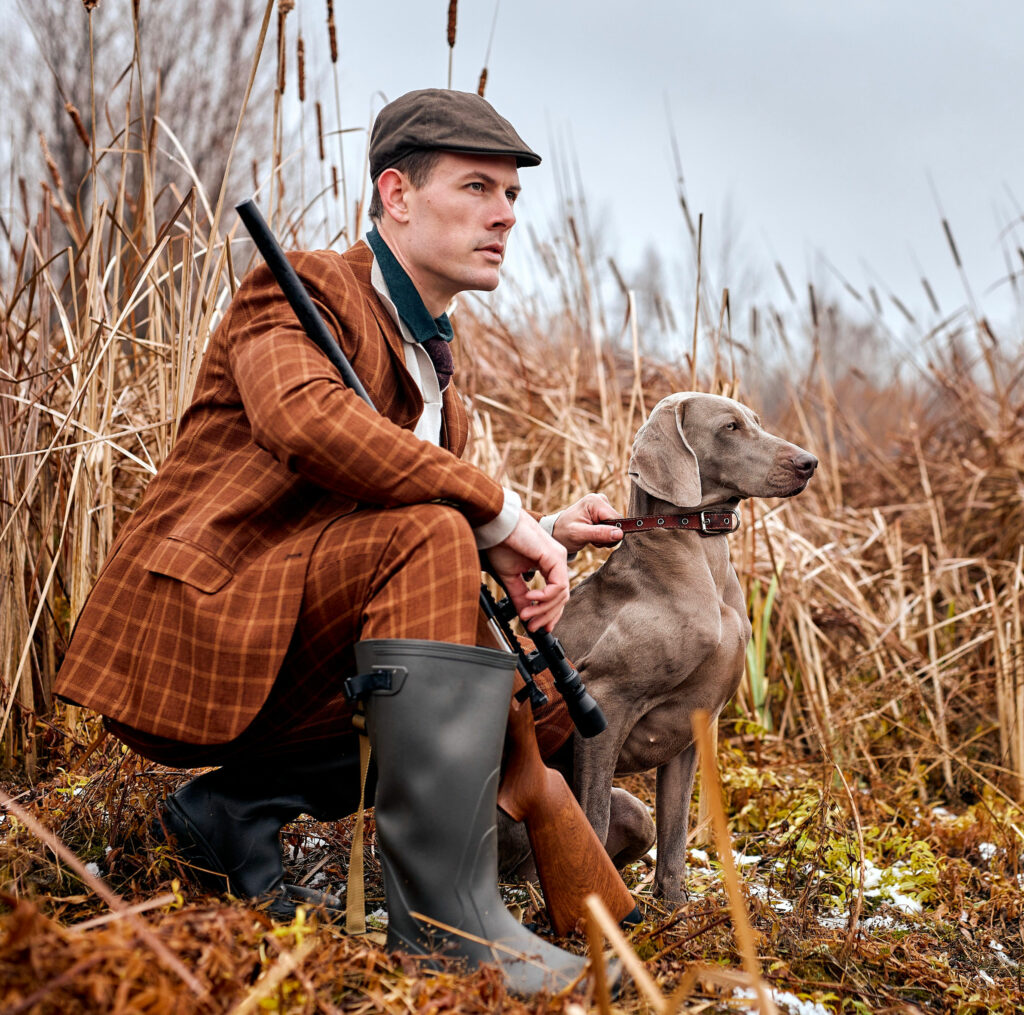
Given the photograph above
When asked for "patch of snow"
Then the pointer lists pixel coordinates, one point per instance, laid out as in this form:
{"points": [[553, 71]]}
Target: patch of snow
{"points": [[835, 920], [942, 814], [93, 869], [987, 850], [785, 1000], [741, 860], [378, 919], [884, 921], [904, 903], [884, 883]]}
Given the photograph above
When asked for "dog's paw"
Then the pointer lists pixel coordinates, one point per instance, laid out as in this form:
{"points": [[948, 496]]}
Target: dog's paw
{"points": [[672, 892]]}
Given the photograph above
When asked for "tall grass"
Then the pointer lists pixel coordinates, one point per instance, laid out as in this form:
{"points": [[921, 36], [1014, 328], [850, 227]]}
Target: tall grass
{"points": [[893, 642]]}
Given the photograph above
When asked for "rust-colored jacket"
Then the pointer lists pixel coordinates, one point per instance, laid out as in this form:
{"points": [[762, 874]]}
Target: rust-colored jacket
{"points": [[188, 623]]}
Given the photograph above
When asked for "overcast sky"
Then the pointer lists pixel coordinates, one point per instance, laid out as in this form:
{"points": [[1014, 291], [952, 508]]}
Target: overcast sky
{"points": [[804, 128], [809, 133]]}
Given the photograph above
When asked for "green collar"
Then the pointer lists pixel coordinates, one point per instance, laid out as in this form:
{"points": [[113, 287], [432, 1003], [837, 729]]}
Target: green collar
{"points": [[405, 295]]}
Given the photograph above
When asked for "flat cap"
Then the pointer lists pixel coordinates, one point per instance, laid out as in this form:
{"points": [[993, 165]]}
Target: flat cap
{"points": [[445, 119]]}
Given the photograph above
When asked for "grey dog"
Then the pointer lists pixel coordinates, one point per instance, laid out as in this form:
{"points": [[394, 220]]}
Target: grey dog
{"points": [[661, 629]]}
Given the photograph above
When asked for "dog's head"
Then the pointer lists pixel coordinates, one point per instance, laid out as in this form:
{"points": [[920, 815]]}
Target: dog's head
{"points": [[697, 449]]}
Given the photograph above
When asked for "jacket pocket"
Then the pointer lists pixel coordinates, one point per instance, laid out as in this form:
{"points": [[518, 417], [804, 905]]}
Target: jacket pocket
{"points": [[188, 563]]}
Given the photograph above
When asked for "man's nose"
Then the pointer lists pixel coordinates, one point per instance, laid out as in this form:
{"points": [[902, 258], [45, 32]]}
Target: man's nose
{"points": [[505, 215]]}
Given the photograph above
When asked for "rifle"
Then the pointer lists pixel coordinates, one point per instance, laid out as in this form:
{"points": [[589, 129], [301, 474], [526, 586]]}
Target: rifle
{"points": [[544, 801]]}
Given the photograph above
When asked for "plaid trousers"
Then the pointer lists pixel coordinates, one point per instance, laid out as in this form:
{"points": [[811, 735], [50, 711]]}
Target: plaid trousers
{"points": [[408, 572]]}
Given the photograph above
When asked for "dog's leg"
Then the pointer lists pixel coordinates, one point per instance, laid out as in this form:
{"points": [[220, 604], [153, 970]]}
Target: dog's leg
{"points": [[515, 858], [593, 770], [631, 831], [672, 807]]}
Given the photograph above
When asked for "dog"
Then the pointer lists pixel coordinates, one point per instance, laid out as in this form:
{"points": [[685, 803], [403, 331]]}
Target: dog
{"points": [[661, 629]]}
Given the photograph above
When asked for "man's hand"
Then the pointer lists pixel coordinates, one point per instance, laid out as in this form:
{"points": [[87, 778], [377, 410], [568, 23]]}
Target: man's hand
{"points": [[529, 548], [579, 525]]}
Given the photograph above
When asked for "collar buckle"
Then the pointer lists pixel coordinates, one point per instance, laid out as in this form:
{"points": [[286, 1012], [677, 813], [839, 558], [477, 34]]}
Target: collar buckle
{"points": [[713, 523]]}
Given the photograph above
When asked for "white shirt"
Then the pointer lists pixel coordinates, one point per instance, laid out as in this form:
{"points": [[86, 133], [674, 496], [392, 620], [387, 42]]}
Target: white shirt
{"points": [[428, 426]]}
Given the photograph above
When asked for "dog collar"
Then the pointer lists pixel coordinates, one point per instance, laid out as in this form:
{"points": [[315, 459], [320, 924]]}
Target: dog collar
{"points": [[705, 523]]}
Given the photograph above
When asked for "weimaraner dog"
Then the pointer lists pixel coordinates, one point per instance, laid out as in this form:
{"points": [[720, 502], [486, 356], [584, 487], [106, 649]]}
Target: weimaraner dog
{"points": [[661, 628]]}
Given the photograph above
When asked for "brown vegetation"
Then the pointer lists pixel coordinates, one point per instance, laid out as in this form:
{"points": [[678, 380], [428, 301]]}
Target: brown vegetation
{"points": [[885, 677]]}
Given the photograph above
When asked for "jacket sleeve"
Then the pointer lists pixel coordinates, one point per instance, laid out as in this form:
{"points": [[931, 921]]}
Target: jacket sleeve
{"points": [[302, 413]]}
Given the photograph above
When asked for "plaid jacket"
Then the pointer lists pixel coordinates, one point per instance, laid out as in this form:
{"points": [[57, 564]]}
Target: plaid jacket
{"points": [[187, 625]]}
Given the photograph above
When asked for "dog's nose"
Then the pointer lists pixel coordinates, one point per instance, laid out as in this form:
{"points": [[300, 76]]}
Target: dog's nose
{"points": [[805, 464]]}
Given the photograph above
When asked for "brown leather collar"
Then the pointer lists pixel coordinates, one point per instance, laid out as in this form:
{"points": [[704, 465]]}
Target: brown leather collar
{"points": [[705, 523]]}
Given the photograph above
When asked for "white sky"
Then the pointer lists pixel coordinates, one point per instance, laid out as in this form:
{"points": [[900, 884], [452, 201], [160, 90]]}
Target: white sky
{"points": [[803, 127]]}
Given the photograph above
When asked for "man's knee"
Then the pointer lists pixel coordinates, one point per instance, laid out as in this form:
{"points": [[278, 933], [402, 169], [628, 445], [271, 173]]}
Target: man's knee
{"points": [[445, 531]]}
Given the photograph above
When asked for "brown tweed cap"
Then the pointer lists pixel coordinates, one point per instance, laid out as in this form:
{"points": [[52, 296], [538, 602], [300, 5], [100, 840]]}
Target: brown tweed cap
{"points": [[446, 119]]}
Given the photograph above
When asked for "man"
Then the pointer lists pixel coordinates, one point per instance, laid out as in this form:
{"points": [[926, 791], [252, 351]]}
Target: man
{"points": [[294, 537]]}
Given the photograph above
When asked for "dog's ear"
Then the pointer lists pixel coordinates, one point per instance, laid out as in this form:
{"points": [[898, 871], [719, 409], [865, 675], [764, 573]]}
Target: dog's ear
{"points": [[663, 463]]}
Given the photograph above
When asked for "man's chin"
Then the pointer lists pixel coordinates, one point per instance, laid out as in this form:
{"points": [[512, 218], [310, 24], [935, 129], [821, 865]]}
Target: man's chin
{"points": [[485, 282]]}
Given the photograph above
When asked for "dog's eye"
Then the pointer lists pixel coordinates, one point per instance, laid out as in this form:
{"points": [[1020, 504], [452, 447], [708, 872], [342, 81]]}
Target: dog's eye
{"points": [[731, 426]]}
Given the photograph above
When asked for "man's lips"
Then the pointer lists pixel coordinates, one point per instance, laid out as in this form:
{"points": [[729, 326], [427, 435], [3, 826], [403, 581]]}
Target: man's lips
{"points": [[496, 249]]}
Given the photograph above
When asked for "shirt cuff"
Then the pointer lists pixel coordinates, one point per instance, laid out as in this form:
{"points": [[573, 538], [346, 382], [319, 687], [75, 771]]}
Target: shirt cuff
{"points": [[498, 529], [547, 523]]}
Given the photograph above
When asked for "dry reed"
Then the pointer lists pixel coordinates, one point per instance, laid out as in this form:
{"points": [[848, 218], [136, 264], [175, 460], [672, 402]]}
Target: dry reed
{"points": [[894, 644]]}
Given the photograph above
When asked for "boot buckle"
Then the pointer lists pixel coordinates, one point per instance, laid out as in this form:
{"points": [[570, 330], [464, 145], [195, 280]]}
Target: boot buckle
{"points": [[382, 679]]}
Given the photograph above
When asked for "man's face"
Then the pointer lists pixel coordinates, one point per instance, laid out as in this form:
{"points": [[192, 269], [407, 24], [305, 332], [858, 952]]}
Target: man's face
{"points": [[456, 226]]}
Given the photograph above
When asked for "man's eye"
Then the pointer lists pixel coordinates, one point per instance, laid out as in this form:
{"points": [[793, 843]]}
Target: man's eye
{"points": [[477, 185], [511, 195]]}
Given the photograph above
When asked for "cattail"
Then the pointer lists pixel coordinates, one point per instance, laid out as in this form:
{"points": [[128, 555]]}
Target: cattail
{"points": [[76, 119], [320, 128], [90, 5], [482, 85], [331, 32], [453, 10], [300, 60], [334, 179], [60, 207], [255, 175], [58, 182]]}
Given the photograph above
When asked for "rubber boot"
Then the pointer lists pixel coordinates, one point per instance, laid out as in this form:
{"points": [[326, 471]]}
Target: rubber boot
{"points": [[227, 824], [437, 735]]}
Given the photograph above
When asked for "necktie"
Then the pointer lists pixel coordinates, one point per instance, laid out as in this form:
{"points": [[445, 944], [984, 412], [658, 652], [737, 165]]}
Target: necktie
{"points": [[440, 353]]}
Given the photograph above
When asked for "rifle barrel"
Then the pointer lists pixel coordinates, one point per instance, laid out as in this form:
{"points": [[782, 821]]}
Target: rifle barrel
{"points": [[295, 292]]}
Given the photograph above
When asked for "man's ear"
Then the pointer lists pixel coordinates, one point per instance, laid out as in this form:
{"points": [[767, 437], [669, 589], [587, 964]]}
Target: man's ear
{"points": [[663, 464], [393, 187]]}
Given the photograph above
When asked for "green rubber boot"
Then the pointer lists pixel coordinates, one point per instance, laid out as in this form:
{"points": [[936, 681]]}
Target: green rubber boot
{"points": [[437, 734]]}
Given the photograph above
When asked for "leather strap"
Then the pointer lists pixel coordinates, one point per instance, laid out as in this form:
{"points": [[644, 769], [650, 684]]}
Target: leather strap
{"points": [[705, 523], [355, 895]]}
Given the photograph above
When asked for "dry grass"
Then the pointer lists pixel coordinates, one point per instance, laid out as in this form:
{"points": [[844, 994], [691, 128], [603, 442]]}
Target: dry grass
{"points": [[886, 674]]}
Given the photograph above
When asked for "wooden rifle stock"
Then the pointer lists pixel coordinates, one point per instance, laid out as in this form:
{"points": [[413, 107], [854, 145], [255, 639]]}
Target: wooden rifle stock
{"points": [[571, 861]]}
